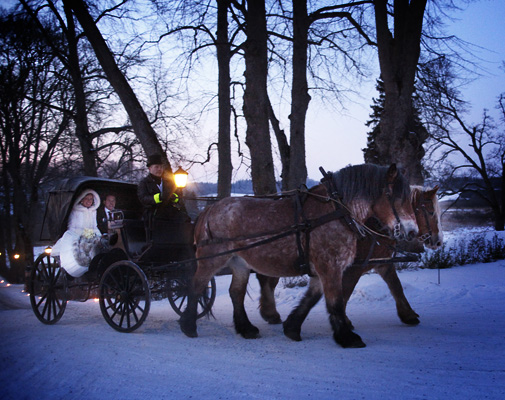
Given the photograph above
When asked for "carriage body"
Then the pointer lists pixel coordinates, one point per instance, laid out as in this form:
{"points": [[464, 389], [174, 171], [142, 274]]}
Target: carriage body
{"points": [[129, 273]]}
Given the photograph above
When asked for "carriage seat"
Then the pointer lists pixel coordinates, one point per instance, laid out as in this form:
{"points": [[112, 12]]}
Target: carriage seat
{"points": [[133, 235], [167, 234]]}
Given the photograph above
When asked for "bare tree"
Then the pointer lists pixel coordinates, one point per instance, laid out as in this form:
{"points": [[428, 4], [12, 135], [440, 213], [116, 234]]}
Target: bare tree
{"points": [[33, 93], [223, 50], [305, 32], [68, 54], [256, 99], [481, 146], [140, 123]]}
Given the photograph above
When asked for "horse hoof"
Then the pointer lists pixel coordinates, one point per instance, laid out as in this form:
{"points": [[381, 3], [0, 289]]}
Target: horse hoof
{"points": [[274, 320], [248, 332], [189, 332], [409, 318], [355, 345], [251, 335], [411, 321], [293, 335], [350, 341]]}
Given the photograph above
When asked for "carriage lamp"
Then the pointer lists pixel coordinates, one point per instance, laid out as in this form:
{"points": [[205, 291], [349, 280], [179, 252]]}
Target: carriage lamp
{"points": [[16, 256], [181, 178], [48, 250]]}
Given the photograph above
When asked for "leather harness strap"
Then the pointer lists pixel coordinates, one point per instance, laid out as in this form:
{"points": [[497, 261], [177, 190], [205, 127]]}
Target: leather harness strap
{"points": [[331, 187]]}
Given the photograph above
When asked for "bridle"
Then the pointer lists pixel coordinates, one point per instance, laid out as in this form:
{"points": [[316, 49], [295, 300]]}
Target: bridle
{"points": [[334, 195], [426, 214], [397, 229]]}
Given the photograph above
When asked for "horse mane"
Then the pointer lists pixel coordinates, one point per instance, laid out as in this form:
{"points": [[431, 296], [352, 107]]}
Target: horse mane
{"points": [[367, 181], [415, 192]]}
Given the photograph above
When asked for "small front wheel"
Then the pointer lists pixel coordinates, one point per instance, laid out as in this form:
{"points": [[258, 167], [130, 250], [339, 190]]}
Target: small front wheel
{"points": [[178, 296], [48, 289], [125, 297]]}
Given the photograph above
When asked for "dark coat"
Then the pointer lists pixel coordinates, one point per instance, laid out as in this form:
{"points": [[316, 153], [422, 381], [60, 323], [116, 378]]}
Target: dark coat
{"points": [[146, 190], [101, 219]]}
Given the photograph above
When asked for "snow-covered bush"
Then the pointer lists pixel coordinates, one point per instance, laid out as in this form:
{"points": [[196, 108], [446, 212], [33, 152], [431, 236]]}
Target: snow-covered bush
{"points": [[479, 249]]}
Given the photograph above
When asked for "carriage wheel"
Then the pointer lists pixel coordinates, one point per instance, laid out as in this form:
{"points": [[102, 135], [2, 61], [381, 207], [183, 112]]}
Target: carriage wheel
{"points": [[48, 289], [125, 297], [178, 296]]}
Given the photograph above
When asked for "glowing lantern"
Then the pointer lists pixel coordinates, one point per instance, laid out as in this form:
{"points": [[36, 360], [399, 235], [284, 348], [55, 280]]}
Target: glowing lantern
{"points": [[181, 178]]}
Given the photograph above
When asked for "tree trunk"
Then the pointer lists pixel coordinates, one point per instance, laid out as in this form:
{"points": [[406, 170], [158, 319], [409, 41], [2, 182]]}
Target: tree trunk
{"points": [[282, 144], [81, 114], [299, 96], [500, 222], [256, 100], [141, 125], [398, 58], [225, 167]]}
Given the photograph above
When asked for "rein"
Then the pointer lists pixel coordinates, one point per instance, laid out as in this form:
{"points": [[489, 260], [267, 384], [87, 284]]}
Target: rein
{"points": [[301, 225], [306, 226], [278, 234]]}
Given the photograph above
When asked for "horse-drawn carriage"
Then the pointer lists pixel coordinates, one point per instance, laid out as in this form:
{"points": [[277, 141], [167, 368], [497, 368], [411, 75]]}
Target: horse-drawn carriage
{"points": [[314, 232], [141, 265]]}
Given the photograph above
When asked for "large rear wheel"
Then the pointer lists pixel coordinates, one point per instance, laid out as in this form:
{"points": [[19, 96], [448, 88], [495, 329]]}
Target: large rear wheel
{"points": [[178, 296], [125, 297], [48, 289]]}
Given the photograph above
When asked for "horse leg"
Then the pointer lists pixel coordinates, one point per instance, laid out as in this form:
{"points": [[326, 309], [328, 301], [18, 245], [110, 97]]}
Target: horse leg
{"points": [[331, 283], [198, 285], [350, 278], [342, 332], [268, 311], [187, 322], [238, 289], [293, 324], [405, 312]]}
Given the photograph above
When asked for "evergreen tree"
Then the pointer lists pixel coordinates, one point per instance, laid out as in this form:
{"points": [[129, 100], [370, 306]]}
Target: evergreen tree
{"points": [[371, 155]]}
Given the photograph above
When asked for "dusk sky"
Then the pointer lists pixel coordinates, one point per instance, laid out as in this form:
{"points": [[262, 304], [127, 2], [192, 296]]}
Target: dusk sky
{"points": [[481, 24]]}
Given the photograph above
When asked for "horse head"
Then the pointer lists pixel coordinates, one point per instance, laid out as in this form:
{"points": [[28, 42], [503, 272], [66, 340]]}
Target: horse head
{"points": [[427, 211], [394, 207]]}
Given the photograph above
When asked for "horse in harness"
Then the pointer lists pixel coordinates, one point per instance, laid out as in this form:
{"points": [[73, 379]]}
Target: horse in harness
{"points": [[374, 251], [258, 234]]}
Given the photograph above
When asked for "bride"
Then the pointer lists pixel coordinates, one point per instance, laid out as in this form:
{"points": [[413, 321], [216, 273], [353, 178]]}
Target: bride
{"points": [[81, 241]]}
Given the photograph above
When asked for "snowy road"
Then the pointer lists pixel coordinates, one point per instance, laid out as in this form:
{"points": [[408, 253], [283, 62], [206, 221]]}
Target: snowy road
{"points": [[457, 352]]}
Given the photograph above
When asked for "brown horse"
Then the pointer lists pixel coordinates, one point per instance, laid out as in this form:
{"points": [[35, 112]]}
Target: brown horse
{"points": [[427, 212], [228, 232]]}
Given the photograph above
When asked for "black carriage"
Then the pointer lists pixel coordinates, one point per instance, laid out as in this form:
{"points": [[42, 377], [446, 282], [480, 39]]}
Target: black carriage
{"points": [[142, 263]]}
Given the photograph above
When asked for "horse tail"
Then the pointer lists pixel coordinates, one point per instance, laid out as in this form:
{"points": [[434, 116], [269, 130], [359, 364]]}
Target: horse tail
{"points": [[202, 228]]}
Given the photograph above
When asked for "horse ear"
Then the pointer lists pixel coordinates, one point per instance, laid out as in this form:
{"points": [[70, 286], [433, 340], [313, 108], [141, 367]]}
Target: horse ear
{"points": [[432, 192], [392, 173]]}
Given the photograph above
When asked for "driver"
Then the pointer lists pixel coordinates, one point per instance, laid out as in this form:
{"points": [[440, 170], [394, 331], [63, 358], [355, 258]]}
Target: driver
{"points": [[156, 192]]}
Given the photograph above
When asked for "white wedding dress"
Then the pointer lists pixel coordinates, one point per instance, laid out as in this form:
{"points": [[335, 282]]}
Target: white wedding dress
{"points": [[79, 244]]}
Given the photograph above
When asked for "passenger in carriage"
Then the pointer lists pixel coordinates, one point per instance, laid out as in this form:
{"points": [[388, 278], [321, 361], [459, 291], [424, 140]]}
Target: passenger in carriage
{"points": [[157, 194], [104, 214], [82, 239]]}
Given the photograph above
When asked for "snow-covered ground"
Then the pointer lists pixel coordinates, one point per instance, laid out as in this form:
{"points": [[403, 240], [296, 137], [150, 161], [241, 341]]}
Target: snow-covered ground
{"points": [[457, 352]]}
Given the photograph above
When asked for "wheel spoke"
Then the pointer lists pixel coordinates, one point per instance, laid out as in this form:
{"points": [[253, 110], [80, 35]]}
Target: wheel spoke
{"points": [[123, 312], [48, 290], [124, 296]]}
